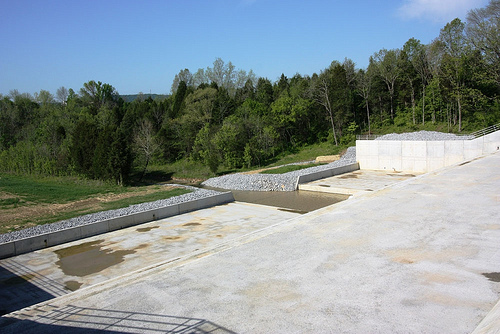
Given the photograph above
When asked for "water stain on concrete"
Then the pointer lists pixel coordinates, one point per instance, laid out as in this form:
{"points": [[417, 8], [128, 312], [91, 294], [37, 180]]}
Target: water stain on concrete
{"points": [[88, 258], [146, 229], [494, 277], [191, 224], [72, 285], [349, 176], [293, 211], [16, 280], [172, 238]]}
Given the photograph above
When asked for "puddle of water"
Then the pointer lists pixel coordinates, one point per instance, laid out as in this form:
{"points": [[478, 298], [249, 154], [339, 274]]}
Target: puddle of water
{"points": [[494, 277], [88, 258], [300, 201], [72, 285], [146, 229]]}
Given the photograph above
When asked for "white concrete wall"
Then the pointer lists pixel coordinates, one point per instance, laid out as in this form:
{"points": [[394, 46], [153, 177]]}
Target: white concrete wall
{"points": [[325, 173], [422, 156]]}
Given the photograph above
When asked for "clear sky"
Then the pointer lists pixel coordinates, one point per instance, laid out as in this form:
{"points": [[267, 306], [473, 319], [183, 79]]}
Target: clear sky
{"points": [[140, 45]]}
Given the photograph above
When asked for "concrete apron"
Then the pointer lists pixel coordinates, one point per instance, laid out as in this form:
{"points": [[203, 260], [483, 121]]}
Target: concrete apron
{"points": [[358, 182], [419, 256], [58, 270]]}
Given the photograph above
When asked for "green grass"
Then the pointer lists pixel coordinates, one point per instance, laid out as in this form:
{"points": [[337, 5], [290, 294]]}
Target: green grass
{"points": [[289, 168], [308, 153], [20, 192], [53, 189], [8, 203], [183, 169]]}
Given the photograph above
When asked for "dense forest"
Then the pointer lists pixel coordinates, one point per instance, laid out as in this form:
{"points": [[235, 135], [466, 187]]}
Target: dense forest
{"points": [[222, 116]]}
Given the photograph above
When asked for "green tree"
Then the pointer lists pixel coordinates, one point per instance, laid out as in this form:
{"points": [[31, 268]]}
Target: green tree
{"points": [[83, 144], [483, 31], [180, 95], [146, 144], [364, 85], [264, 92], [387, 65], [97, 94], [454, 51]]}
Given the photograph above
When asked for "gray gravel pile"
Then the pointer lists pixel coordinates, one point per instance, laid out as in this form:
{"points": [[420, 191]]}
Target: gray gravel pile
{"points": [[103, 215], [424, 136], [274, 182]]}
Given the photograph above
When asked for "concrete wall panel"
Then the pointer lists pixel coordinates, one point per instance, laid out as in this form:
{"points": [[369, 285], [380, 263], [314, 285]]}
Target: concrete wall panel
{"points": [[422, 156], [31, 244], [325, 173], [7, 249], [168, 211], [145, 216], [390, 148], [435, 149], [63, 236], [414, 149], [94, 229]]}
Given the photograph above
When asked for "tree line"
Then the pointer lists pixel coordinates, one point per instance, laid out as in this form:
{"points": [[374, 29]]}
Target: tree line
{"points": [[224, 116]]}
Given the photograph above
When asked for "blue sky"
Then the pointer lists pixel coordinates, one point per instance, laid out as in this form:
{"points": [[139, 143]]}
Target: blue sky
{"points": [[140, 45]]}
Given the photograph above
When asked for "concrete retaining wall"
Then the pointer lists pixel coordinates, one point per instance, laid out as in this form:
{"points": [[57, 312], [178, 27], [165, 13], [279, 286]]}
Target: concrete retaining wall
{"points": [[79, 232], [422, 156], [326, 173]]}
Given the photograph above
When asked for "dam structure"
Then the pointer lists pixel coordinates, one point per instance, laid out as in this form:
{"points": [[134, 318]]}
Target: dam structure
{"points": [[415, 249]]}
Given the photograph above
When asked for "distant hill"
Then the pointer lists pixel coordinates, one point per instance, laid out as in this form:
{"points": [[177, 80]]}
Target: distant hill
{"points": [[132, 97]]}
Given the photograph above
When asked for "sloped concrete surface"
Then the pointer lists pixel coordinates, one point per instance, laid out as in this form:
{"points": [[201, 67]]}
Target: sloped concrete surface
{"points": [[55, 271], [421, 256], [357, 182]]}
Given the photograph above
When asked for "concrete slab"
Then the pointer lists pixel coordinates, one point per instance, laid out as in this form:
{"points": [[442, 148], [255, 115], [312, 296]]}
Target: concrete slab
{"points": [[358, 182], [93, 260], [420, 256]]}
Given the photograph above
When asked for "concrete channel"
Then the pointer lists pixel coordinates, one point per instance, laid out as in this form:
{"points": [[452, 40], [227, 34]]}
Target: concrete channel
{"points": [[41, 241], [419, 255]]}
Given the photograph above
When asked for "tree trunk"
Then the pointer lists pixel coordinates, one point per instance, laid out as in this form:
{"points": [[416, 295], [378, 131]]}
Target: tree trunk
{"points": [[413, 102], [381, 109], [144, 170], [459, 113], [368, 115], [423, 106]]}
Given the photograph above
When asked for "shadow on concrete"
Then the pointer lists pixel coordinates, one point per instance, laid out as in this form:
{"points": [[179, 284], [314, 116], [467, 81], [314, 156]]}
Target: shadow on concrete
{"points": [[74, 319], [21, 287]]}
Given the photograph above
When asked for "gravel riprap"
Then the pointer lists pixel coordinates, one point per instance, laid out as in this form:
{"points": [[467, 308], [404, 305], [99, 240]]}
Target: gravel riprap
{"points": [[196, 193], [424, 136], [274, 182]]}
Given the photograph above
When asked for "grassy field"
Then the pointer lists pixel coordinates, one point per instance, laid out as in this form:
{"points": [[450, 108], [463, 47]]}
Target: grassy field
{"points": [[27, 201]]}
